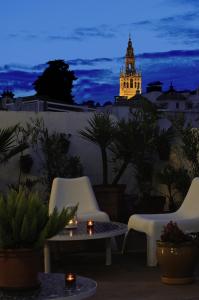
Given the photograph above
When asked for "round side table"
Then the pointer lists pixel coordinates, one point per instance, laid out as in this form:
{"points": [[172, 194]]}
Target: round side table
{"points": [[53, 288]]}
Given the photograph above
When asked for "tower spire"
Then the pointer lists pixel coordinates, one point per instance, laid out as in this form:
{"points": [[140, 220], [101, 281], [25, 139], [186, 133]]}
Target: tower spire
{"points": [[130, 59], [130, 79]]}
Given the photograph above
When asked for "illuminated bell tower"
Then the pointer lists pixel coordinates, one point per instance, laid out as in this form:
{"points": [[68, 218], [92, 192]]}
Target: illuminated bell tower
{"points": [[130, 80]]}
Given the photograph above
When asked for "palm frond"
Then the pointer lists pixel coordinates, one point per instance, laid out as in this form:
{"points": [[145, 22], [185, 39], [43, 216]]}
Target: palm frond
{"points": [[7, 138]]}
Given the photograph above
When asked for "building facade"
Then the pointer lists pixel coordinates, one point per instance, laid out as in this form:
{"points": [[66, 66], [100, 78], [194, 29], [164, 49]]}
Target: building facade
{"points": [[130, 79]]}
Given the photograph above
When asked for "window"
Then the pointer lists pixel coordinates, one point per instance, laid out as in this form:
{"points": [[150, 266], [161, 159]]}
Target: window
{"points": [[127, 84], [124, 84], [131, 83], [135, 85]]}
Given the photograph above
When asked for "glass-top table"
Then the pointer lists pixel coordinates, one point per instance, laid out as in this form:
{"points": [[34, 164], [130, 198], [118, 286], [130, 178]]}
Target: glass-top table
{"points": [[101, 230], [52, 287]]}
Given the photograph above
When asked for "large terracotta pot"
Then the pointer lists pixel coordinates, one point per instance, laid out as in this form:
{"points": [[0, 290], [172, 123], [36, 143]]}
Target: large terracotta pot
{"points": [[177, 262], [110, 199], [19, 268]]}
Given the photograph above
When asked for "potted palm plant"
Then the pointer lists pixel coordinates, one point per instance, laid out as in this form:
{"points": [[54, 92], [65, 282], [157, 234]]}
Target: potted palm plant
{"points": [[177, 255], [145, 156], [24, 226], [118, 139]]}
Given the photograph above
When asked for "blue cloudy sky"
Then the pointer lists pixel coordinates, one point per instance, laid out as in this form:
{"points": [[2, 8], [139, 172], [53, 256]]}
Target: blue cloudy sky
{"points": [[92, 37]]}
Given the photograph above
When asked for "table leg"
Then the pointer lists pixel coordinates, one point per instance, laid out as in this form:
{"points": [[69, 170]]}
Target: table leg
{"points": [[108, 252], [46, 258]]}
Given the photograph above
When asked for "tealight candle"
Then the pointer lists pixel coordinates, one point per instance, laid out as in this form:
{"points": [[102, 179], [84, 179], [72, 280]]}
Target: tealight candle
{"points": [[72, 223], [90, 224], [70, 280]]}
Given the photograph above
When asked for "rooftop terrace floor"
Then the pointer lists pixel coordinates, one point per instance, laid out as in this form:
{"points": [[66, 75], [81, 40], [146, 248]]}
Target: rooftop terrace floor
{"points": [[127, 278]]}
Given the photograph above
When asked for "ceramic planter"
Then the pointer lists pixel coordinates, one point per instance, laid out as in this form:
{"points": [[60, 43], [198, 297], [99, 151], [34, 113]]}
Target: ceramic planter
{"points": [[110, 199], [19, 268], [177, 262]]}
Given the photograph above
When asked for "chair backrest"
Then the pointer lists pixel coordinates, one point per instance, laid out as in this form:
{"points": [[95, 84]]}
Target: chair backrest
{"points": [[190, 205], [68, 192]]}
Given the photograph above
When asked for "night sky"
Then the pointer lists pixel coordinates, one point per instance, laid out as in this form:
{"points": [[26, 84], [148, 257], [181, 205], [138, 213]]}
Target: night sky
{"points": [[92, 37]]}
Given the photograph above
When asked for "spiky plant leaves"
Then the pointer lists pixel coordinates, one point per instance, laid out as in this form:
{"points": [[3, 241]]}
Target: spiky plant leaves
{"points": [[55, 223], [24, 220], [7, 138], [25, 230]]}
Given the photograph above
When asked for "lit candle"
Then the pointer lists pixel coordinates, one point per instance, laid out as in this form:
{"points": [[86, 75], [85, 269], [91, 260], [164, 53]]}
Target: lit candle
{"points": [[70, 281], [72, 223], [90, 224]]}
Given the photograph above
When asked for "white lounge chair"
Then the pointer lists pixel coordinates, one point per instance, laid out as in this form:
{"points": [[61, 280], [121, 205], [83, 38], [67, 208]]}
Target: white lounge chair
{"points": [[187, 217], [68, 192]]}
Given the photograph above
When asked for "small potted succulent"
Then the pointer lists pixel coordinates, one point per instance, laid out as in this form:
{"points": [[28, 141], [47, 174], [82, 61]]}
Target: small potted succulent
{"points": [[177, 255], [25, 224]]}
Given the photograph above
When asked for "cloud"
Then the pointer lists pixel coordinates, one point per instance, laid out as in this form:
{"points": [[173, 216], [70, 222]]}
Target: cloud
{"points": [[22, 67], [17, 80], [169, 54], [89, 62], [94, 73], [98, 79], [63, 38], [180, 28], [83, 33], [99, 92], [78, 34], [23, 35], [102, 31], [190, 2], [142, 23]]}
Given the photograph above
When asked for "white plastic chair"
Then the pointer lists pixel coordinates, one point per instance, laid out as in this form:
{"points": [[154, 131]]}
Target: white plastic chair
{"points": [[187, 217], [70, 191]]}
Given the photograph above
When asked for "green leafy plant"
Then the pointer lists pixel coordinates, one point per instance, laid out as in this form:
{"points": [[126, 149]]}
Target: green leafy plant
{"points": [[173, 234], [25, 222], [122, 140], [51, 149], [124, 146], [100, 132], [146, 116], [188, 144], [176, 181]]}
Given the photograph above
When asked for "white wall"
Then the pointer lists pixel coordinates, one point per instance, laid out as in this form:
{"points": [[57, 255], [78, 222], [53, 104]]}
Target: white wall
{"points": [[67, 122]]}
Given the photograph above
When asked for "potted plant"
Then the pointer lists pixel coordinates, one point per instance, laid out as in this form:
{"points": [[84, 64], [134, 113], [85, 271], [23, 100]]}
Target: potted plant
{"points": [[176, 181], [164, 141], [177, 254], [145, 156], [24, 226], [117, 139]]}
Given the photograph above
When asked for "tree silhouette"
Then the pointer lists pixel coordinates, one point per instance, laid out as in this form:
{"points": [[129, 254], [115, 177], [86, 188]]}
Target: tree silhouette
{"points": [[56, 82]]}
